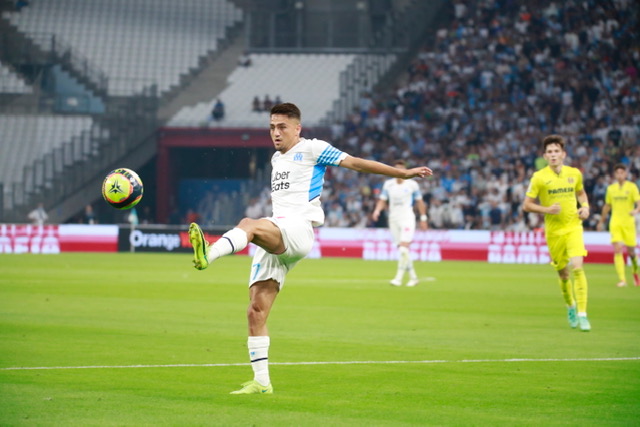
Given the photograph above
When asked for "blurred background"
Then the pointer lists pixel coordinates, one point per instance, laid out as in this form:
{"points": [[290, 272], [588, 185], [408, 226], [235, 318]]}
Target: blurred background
{"points": [[180, 91]]}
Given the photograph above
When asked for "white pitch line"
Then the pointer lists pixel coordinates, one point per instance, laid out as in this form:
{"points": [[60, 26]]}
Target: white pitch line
{"points": [[355, 362]]}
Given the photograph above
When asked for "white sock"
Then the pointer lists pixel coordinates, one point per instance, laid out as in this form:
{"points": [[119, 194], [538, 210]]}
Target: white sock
{"points": [[410, 269], [403, 261], [259, 356], [231, 242]]}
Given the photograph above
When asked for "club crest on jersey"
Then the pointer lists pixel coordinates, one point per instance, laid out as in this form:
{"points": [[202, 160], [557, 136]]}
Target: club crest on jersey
{"points": [[570, 180], [297, 157]]}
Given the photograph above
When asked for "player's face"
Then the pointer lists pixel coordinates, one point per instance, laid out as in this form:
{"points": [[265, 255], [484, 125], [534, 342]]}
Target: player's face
{"points": [[554, 155], [285, 132], [620, 175]]}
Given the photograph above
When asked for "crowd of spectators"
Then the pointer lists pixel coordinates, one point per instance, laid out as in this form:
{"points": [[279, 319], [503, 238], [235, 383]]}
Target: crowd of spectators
{"points": [[477, 101]]}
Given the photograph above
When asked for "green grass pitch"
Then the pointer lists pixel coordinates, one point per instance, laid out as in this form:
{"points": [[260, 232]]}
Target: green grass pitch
{"points": [[144, 339]]}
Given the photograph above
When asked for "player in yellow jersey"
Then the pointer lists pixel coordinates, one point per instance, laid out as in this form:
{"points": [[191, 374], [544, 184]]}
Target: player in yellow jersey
{"points": [[623, 201], [553, 191]]}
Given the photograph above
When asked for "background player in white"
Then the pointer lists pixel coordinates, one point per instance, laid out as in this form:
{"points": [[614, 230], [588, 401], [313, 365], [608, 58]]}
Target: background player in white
{"points": [[287, 236], [400, 197]]}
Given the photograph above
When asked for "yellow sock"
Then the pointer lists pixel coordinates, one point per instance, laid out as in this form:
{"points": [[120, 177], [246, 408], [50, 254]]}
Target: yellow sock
{"points": [[580, 283], [567, 291], [618, 261]]}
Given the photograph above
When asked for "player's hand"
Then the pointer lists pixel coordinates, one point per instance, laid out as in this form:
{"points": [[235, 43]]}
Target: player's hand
{"points": [[375, 215], [554, 209], [424, 225], [419, 172], [583, 212], [600, 226]]}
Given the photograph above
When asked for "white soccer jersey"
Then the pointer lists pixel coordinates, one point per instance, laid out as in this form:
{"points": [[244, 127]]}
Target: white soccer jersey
{"points": [[297, 178], [400, 197]]}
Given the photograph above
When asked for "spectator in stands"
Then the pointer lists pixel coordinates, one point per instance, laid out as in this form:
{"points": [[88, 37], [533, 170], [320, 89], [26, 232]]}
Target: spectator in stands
{"points": [[89, 215], [146, 217], [38, 216], [267, 103], [245, 59], [132, 217], [256, 105], [254, 209], [437, 213], [495, 215], [175, 217], [217, 113]]}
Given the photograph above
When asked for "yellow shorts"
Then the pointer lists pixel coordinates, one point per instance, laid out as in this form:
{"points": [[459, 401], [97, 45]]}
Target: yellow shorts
{"points": [[623, 233], [564, 247]]}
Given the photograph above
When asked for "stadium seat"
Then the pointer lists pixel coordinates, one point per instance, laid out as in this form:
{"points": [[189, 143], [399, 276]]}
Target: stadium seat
{"points": [[133, 47]]}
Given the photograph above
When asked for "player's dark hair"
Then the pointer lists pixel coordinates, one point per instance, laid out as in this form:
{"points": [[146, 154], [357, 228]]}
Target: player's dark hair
{"points": [[288, 109], [553, 139], [400, 162], [619, 166]]}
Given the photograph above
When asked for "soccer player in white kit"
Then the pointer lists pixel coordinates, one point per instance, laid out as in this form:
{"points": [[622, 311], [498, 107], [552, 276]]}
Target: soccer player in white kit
{"points": [[287, 236], [400, 197]]}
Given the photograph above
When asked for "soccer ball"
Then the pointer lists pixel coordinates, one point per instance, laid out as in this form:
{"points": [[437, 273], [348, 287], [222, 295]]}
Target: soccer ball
{"points": [[122, 188]]}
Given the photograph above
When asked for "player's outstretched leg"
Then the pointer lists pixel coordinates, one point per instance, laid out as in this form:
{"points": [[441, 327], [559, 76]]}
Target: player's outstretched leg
{"points": [[254, 387], [200, 246]]}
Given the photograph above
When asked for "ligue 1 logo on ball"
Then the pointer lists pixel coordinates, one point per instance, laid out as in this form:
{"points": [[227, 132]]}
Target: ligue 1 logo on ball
{"points": [[122, 188]]}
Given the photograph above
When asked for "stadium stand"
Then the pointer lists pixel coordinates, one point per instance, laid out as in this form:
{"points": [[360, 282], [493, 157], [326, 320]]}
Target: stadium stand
{"points": [[28, 138], [10, 82], [286, 76], [475, 104], [164, 39]]}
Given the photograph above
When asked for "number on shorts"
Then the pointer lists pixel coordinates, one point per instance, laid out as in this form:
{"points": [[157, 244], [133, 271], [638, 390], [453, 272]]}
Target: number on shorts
{"points": [[255, 266]]}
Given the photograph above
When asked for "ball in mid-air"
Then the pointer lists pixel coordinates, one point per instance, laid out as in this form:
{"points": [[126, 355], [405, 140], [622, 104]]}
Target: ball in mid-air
{"points": [[122, 188]]}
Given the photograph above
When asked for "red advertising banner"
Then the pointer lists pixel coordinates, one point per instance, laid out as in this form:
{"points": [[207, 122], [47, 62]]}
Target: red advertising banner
{"points": [[369, 243], [53, 239], [452, 245]]}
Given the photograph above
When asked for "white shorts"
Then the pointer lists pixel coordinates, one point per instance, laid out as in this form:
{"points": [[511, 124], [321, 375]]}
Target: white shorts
{"points": [[402, 231], [298, 237]]}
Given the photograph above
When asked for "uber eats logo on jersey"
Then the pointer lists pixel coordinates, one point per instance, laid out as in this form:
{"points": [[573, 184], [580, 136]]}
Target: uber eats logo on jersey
{"points": [[280, 181]]}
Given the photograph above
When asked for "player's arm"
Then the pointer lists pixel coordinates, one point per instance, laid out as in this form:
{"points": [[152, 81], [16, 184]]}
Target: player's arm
{"points": [[422, 210], [603, 216], [371, 166], [584, 210], [636, 197], [380, 206], [531, 205]]}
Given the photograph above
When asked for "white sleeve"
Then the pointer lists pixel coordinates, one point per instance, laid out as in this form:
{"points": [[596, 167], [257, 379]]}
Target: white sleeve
{"points": [[326, 154]]}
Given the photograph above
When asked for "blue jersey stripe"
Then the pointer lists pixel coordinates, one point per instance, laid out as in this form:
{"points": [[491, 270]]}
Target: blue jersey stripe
{"points": [[317, 179], [329, 156]]}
